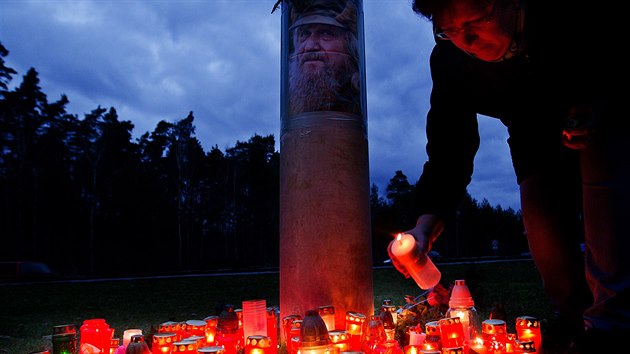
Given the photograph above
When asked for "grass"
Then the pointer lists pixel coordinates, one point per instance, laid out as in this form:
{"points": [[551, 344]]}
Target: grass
{"points": [[29, 311]]}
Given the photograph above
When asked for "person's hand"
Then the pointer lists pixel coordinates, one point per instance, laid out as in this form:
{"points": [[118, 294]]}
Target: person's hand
{"points": [[580, 127], [427, 229]]}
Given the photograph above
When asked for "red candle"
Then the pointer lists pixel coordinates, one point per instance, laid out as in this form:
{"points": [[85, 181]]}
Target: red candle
{"points": [[451, 332], [287, 324], [354, 325], [340, 340], [211, 329], [528, 328], [162, 342], [258, 344]]}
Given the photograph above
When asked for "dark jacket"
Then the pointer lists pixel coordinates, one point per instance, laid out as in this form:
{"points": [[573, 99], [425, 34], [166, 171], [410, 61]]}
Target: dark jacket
{"points": [[530, 93]]}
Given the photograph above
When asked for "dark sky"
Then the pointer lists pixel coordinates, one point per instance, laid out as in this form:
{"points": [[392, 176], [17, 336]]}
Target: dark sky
{"points": [[159, 59]]}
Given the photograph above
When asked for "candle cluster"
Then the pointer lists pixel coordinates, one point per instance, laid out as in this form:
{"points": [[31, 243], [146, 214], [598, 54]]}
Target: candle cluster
{"points": [[256, 329], [222, 334], [459, 330]]}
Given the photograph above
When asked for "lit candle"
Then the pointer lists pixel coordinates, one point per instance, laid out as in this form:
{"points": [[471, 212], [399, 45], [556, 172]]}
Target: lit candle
{"points": [[287, 324], [528, 328], [185, 346], [494, 334], [340, 340], [432, 340], [211, 329], [163, 342], [273, 313], [412, 349], [451, 332], [257, 344], [418, 265], [477, 346], [453, 350], [526, 346], [354, 325]]}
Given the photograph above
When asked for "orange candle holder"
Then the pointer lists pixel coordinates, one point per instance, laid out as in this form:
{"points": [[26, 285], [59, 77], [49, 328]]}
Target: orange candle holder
{"points": [[114, 344], [526, 346], [451, 332], [494, 334], [528, 328], [453, 350], [162, 342], [211, 329], [340, 340], [433, 339], [355, 322], [287, 325], [272, 327], [296, 328], [211, 349], [196, 328], [185, 347]]}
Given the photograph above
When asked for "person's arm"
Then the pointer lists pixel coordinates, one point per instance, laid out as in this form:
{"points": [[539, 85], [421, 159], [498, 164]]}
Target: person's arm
{"points": [[452, 142], [452, 136]]}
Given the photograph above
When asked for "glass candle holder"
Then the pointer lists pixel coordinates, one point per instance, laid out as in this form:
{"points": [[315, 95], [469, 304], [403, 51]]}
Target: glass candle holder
{"points": [[526, 346], [477, 346], [388, 306], [114, 344], [185, 347], [451, 332], [296, 328], [229, 333], [433, 339], [211, 349], [327, 313], [494, 334], [340, 340], [273, 314], [64, 339], [314, 336], [211, 329], [528, 328], [254, 318], [258, 344], [355, 323], [453, 350], [287, 325], [162, 342], [97, 332]]}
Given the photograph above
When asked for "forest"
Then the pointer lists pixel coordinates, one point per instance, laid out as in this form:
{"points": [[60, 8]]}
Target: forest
{"points": [[86, 197]]}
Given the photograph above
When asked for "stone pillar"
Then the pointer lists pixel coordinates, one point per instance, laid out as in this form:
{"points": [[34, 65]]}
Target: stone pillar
{"points": [[325, 234]]}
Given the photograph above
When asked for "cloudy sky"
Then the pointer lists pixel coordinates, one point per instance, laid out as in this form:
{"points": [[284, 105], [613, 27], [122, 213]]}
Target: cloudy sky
{"points": [[157, 60]]}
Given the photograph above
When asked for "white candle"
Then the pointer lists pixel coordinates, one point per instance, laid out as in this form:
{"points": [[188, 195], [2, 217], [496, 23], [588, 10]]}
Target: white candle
{"points": [[416, 338], [419, 266]]}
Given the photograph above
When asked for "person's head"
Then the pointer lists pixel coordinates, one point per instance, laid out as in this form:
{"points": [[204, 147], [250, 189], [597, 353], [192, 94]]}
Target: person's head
{"points": [[482, 28], [323, 64]]}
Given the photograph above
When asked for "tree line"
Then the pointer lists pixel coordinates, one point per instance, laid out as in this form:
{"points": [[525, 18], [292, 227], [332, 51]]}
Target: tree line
{"points": [[84, 196]]}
